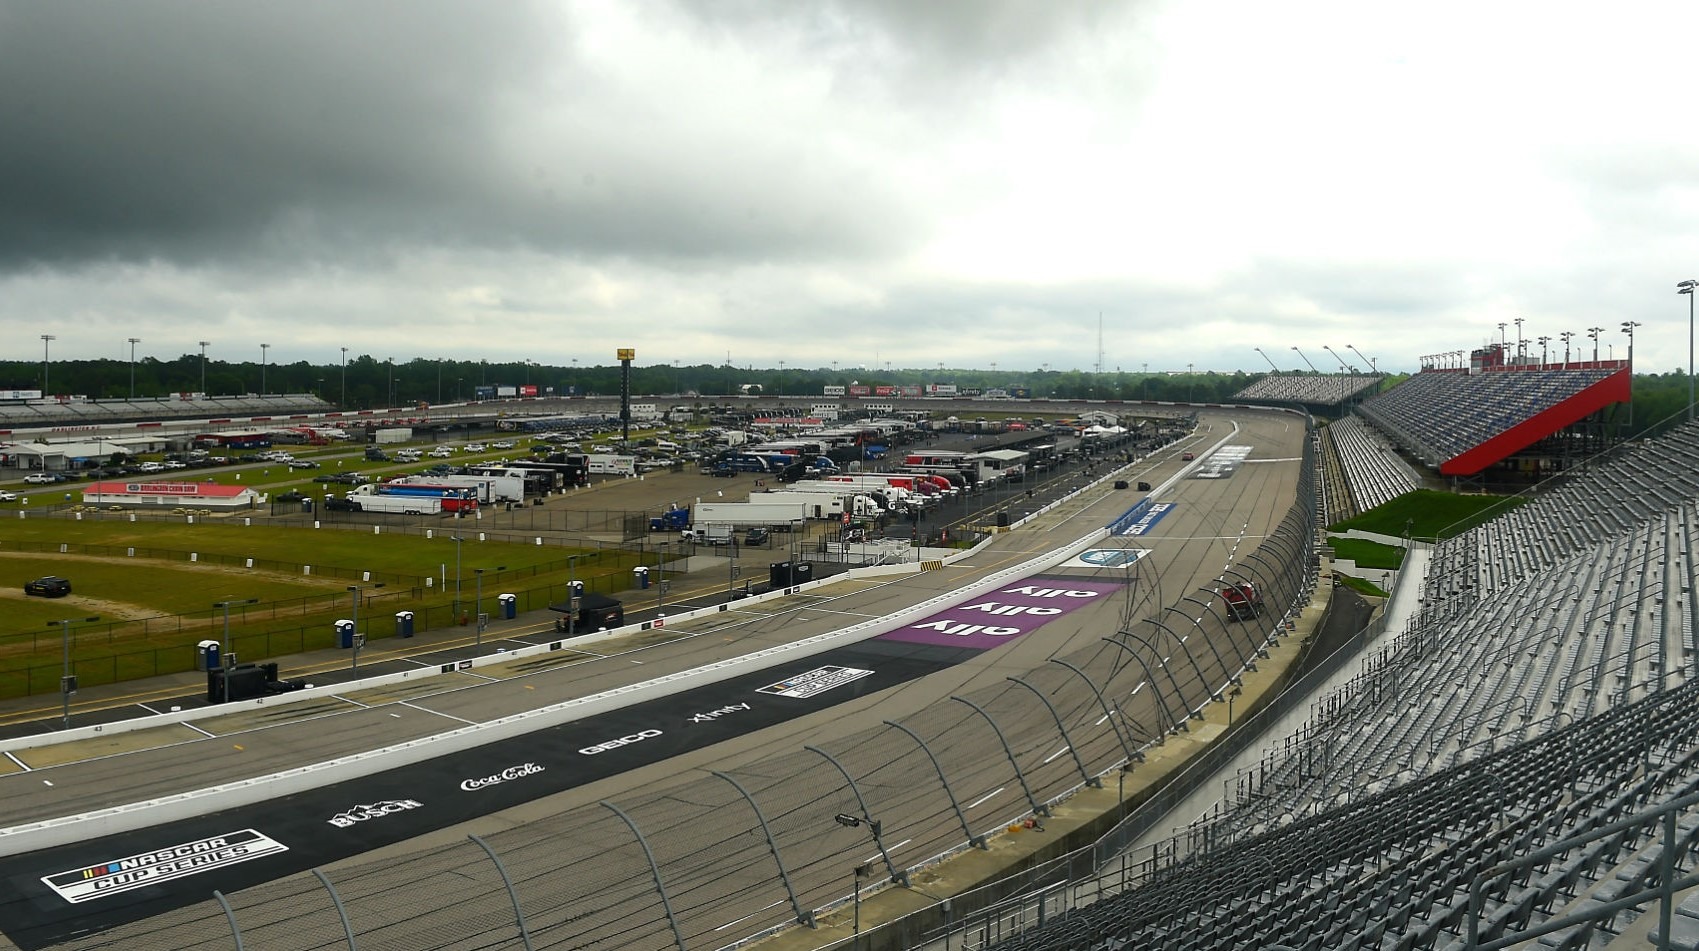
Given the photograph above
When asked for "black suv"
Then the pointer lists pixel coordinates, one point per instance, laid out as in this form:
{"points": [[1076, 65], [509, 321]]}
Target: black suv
{"points": [[757, 536], [48, 587]]}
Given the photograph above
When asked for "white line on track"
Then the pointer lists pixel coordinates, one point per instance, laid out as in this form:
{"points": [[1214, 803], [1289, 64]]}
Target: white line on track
{"points": [[437, 712], [888, 849], [363, 706], [21, 764], [471, 673], [984, 798], [749, 916], [147, 708], [199, 730]]}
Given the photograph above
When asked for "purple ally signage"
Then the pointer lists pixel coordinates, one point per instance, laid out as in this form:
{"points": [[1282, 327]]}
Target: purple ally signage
{"points": [[1005, 613]]}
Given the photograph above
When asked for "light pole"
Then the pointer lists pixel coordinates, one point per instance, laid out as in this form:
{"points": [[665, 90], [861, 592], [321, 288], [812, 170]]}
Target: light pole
{"points": [[457, 541], [1544, 351], [1144, 369], [1265, 357], [46, 341], [68, 683], [1594, 333], [1567, 336], [482, 621], [359, 639], [1335, 356], [1690, 288], [1306, 360], [263, 348], [1191, 382], [1519, 338], [344, 402], [133, 342], [204, 345], [224, 644], [1369, 360], [391, 362], [1501, 339], [1628, 328]]}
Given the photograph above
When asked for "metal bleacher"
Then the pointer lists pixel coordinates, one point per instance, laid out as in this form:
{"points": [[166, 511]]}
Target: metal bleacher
{"points": [[1521, 761], [1439, 415], [1320, 389], [1374, 473]]}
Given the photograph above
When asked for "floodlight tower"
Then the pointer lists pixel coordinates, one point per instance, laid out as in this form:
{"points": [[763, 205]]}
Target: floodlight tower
{"points": [[1369, 360], [625, 356], [1300, 354]]}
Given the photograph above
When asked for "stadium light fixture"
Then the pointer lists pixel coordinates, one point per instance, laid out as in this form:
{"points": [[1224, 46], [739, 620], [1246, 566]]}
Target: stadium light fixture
{"points": [[1306, 360], [1691, 289], [1567, 336], [1519, 338], [1334, 355], [1366, 359], [1265, 357], [46, 342], [133, 342], [1594, 333], [263, 348], [204, 345], [1544, 351]]}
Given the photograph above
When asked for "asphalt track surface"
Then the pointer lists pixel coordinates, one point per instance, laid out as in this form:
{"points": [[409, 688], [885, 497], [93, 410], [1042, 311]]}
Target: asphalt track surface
{"points": [[549, 770]]}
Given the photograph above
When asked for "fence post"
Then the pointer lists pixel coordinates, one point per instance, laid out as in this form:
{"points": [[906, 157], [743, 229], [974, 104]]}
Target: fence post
{"points": [[654, 869], [901, 878], [518, 915], [802, 917], [230, 916], [1062, 728], [975, 840], [1040, 810], [347, 928], [1108, 714]]}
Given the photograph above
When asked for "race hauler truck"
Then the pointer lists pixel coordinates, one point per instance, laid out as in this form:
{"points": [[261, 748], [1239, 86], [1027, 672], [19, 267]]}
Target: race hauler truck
{"points": [[366, 498], [674, 519], [716, 521], [449, 498], [825, 500]]}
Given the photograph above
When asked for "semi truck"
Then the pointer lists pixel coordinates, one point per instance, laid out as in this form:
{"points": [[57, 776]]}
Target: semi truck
{"points": [[489, 489], [759, 510], [828, 504], [397, 504], [449, 498], [672, 520]]}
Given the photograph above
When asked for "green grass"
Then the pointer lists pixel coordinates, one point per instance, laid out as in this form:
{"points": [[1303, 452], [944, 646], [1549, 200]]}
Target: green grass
{"points": [[1368, 554], [1429, 514], [1361, 586], [154, 610]]}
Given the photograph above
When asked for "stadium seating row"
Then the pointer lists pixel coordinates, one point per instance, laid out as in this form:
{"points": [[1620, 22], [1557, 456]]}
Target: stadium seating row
{"points": [[1298, 388], [15, 415], [1440, 415], [1546, 688], [1374, 472]]}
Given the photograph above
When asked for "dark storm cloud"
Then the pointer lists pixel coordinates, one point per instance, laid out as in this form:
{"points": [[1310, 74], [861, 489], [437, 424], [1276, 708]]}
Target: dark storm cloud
{"points": [[205, 132]]}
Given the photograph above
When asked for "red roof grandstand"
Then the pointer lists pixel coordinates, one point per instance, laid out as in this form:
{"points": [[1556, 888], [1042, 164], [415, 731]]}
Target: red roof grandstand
{"points": [[1463, 420]]}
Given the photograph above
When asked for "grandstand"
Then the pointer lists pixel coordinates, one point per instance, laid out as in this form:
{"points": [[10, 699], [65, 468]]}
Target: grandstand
{"points": [[1319, 392], [1462, 421], [1370, 467], [1521, 762], [51, 413]]}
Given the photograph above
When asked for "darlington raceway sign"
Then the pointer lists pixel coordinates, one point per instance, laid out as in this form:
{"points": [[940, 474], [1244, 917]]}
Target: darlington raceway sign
{"points": [[1005, 614]]}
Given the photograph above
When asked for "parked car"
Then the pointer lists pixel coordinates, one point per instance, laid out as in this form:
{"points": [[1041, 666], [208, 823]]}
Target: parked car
{"points": [[441, 452], [48, 587], [757, 536], [8, 496], [303, 464], [40, 478], [473, 447]]}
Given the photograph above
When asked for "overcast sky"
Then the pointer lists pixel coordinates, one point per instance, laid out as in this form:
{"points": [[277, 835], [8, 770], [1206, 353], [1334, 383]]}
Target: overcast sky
{"points": [[966, 183]]}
